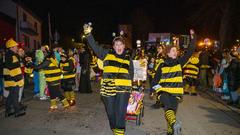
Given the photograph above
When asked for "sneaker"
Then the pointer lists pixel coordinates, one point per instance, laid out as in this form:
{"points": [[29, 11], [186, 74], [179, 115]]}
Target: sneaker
{"points": [[177, 129], [43, 98]]}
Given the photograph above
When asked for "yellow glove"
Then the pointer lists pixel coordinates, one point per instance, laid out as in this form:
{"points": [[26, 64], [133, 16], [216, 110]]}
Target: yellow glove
{"points": [[87, 28]]}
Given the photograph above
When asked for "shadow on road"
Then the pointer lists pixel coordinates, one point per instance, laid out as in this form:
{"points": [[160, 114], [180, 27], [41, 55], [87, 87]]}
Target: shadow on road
{"points": [[218, 115]]}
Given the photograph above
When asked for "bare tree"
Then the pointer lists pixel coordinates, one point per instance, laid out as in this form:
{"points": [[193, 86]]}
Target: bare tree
{"points": [[223, 15]]}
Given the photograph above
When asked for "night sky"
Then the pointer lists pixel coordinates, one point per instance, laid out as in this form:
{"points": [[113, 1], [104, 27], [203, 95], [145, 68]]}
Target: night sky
{"points": [[68, 16]]}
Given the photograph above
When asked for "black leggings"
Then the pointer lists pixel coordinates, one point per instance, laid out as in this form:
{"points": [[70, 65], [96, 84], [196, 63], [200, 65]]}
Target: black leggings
{"points": [[12, 99], [55, 92], [116, 108], [169, 101], [67, 84]]}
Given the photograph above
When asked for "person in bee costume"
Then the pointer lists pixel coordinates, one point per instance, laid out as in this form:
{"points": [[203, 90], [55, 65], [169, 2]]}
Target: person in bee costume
{"points": [[67, 67], [116, 80], [159, 58], [13, 79], [168, 82], [53, 78], [84, 60], [190, 74]]}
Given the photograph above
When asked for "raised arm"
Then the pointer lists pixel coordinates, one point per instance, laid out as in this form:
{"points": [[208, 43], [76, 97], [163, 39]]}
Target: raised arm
{"points": [[183, 60], [99, 51]]}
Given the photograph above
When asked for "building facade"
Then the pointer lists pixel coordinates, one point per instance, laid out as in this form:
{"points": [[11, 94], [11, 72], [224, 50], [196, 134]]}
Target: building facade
{"points": [[28, 26]]}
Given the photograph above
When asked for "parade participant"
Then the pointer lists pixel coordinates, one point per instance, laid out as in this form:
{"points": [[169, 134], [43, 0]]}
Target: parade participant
{"points": [[93, 63], [151, 71], [53, 77], [168, 82], [68, 69], [22, 61], [78, 70], [159, 58], [13, 79], [39, 55], [85, 82], [190, 74], [116, 79], [21, 54], [204, 69]]}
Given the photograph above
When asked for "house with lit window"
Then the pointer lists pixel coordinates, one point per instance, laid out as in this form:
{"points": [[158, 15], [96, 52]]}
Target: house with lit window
{"points": [[28, 25]]}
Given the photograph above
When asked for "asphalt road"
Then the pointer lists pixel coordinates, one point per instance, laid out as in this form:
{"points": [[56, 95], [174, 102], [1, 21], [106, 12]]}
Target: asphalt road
{"points": [[199, 115]]}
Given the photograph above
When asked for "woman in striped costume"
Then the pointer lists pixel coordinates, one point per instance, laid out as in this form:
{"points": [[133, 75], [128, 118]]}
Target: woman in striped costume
{"points": [[116, 80]]}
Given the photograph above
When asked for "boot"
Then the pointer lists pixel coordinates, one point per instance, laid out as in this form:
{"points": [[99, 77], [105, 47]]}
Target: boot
{"points": [[65, 103], [67, 95], [53, 106], [186, 89], [193, 90], [72, 98]]}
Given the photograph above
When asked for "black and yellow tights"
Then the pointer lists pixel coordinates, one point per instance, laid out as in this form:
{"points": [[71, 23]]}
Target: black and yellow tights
{"points": [[170, 103], [116, 108], [171, 119]]}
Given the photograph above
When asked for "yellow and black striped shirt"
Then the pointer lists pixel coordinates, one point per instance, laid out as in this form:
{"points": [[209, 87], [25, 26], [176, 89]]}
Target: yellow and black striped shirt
{"points": [[68, 69], [171, 79], [12, 71], [51, 70], [116, 77], [191, 68]]}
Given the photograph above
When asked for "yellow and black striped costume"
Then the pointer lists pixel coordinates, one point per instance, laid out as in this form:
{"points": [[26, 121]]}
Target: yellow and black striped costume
{"points": [[191, 68], [52, 72], [156, 65], [12, 71], [171, 79], [94, 60], [116, 76], [53, 77], [68, 79], [68, 69]]}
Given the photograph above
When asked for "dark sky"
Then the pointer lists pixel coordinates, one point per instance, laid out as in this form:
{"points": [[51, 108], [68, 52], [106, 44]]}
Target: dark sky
{"points": [[68, 16]]}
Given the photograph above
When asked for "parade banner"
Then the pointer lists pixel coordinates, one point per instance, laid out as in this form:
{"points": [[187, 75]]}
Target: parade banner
{"points": [[140, 69]]}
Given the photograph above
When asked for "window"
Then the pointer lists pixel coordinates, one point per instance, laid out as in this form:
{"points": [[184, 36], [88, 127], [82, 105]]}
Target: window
{"points": [[24, 17], [36, 26], [26, 41]]}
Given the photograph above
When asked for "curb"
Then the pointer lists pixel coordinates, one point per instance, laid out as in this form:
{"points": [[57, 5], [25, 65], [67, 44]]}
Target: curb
{"points": [[234, 109]]}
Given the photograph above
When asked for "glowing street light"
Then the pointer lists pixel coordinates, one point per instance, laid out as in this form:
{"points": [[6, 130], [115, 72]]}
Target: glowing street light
{"points": [[201, 44]]}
